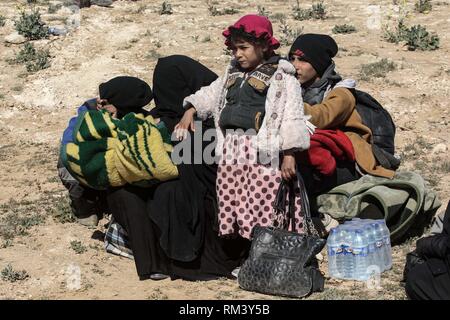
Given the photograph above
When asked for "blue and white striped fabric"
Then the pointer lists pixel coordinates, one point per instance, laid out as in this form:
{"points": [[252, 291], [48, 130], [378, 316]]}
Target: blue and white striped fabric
{"points": [[116, 240]]}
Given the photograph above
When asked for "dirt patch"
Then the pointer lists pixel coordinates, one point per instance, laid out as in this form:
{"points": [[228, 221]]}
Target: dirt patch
{"points": [[127, 39]]}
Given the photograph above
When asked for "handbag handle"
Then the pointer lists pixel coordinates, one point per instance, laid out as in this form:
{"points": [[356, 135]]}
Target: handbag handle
{"points": [[287, 189], [310, 228]]}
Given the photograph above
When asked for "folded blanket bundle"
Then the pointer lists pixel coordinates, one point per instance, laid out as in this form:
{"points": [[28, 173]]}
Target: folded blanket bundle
{"points": [[327, 147], [400, 201], [108, 152]]}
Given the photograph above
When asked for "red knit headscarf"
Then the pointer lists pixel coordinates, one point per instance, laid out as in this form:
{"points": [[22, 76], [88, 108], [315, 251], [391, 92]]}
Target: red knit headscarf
{"points": [[259, 26]]}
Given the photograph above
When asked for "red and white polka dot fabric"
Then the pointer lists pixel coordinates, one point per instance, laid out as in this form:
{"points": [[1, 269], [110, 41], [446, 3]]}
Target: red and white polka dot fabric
{"points": [[246, 189]]}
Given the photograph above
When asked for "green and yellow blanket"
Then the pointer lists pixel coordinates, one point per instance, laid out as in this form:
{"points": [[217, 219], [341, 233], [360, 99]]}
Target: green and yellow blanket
{"points": [[108, 152]]}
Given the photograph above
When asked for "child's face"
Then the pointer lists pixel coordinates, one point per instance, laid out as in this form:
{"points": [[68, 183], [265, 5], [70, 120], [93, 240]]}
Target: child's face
{"points": [[103, 104], [248, 55], [305, 71]]}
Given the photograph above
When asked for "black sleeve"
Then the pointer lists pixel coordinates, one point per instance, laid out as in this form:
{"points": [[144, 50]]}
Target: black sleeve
{"points": [[437, 246], [446, 222]]}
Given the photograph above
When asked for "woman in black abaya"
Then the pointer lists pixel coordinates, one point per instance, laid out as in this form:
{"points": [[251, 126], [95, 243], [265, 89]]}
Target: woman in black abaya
{"points": [[173, 227]]}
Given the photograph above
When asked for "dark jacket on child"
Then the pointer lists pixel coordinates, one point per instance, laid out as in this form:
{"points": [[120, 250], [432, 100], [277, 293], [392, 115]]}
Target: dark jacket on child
{"points": [[332, 105]]}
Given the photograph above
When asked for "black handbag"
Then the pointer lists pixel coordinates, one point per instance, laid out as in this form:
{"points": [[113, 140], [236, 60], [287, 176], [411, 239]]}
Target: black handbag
{"points": [[282, 262]]}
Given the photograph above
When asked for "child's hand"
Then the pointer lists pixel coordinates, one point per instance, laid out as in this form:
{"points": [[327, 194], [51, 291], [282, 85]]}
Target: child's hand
{"points": [[186, 123], [288, 167]]}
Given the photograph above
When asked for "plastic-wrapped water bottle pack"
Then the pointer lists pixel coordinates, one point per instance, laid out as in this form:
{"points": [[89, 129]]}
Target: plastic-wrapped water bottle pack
{"points": [[357, 248]]}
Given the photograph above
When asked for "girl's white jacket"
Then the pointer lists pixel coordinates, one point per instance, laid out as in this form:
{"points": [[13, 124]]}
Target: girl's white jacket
{"points": [[285, 126]]}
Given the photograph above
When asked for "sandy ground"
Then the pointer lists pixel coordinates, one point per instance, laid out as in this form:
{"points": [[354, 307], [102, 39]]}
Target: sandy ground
{"points": [[127, 40]]}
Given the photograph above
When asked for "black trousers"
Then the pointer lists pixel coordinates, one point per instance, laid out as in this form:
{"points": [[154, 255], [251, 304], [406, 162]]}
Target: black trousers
{"points": [[217, 258], [431, 280], [128, 207], [426, 284], [316, 183], [84, 201]]}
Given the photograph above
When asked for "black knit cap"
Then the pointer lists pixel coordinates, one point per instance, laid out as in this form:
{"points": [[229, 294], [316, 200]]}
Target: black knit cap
{"points": [[317, 49], [127, 94]]}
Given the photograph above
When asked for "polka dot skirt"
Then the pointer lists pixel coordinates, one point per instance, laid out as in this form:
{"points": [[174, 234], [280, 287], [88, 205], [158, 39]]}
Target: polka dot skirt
{"points": [[246, 189]]}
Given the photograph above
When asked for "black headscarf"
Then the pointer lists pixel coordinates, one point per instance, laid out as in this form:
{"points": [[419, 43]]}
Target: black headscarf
{"points": [[178, 206], [127, 94], [174, 78]]}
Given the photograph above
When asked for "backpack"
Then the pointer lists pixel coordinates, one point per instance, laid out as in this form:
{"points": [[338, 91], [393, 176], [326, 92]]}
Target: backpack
{"points": [[382, 126]]}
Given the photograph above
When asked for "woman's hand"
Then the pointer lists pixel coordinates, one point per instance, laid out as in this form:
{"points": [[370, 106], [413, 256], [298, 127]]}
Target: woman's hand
{"points": [[186, 123], [288, 167]]}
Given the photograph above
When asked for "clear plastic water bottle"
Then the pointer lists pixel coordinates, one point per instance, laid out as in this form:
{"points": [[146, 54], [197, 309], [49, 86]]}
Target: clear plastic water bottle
{"points": [[387, 245], [347, 247], [379, 245], [360, 255], [370, 239], [358, 222], [334, 246]]}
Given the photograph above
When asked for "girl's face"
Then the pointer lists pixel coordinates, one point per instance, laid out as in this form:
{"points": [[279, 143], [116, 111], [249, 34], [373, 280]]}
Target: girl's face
{"points": [[248, 55], [305, 71]]}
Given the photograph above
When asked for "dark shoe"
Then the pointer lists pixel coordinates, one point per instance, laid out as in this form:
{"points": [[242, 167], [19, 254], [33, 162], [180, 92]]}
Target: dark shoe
{"points": [[158, 276], [83, 3], [102, 3]]}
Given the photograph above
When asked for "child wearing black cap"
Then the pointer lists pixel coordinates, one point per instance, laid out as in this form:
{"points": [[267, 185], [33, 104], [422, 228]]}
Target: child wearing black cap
{"points": [[330, 102]]}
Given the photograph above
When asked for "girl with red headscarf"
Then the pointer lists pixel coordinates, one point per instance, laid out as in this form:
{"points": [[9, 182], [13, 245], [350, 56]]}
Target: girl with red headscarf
{"points": [[258, 113]]}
